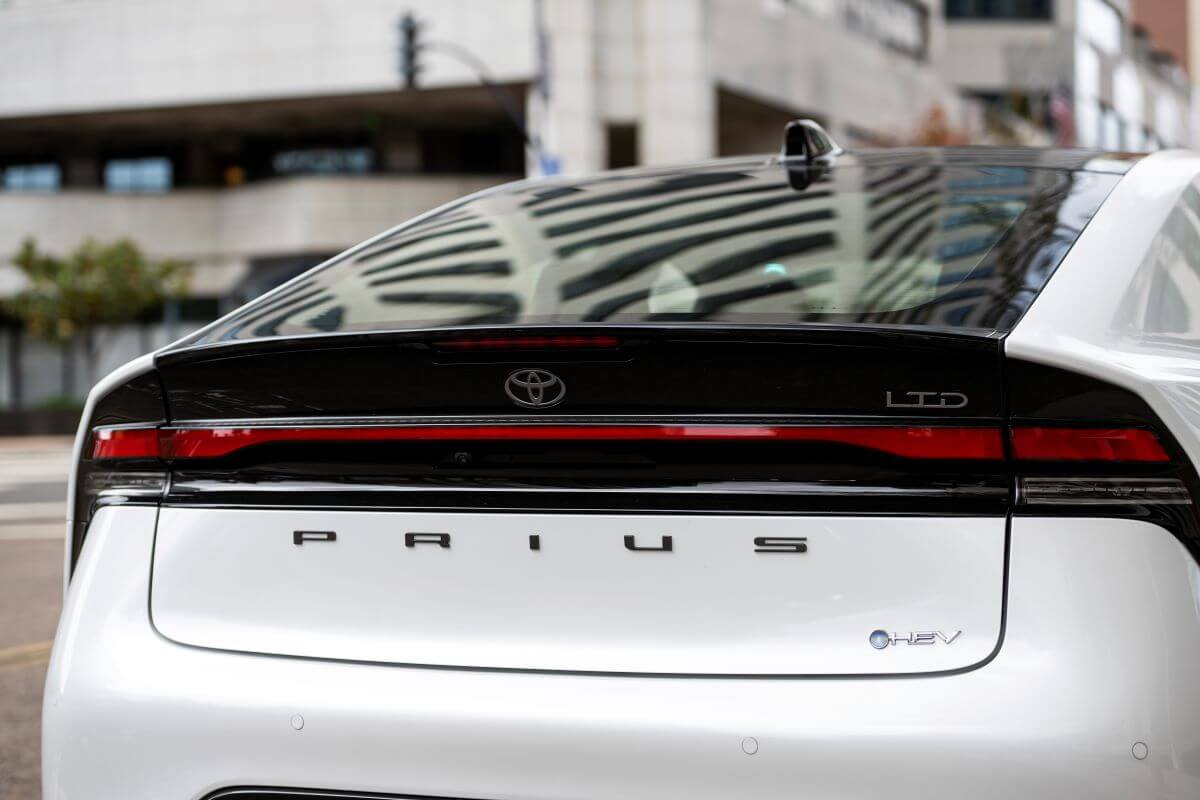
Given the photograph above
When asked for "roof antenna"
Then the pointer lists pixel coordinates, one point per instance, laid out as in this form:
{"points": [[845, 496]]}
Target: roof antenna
{"points": [[808, 152]]}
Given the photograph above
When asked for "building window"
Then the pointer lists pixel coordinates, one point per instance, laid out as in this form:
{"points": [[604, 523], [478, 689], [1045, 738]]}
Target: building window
{"points": [[324, 161], [32, 177], [1031, 105], [152, 174], [479, 151], [622, 146], [1000, 9], [902, 25]]}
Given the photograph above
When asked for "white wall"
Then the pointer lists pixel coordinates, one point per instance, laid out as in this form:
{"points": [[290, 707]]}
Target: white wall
{"points": [[994, 56], [1089, 48], [82, 55], [572, 128], [679, 98], [656, 63], [802, 56], [619, 59]]}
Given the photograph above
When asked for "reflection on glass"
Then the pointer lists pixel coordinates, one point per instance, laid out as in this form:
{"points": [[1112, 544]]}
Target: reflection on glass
{"points": [[912, 240]]}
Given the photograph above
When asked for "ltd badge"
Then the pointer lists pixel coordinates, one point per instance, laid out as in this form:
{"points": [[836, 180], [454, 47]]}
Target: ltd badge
{"points": [[928, 400]]}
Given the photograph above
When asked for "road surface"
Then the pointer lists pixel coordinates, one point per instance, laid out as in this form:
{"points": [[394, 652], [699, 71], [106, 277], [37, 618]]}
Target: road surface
{"points": [[33, 488]]}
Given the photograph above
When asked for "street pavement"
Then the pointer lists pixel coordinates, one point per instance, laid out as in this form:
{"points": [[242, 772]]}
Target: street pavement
{"points": [[33, 488]]}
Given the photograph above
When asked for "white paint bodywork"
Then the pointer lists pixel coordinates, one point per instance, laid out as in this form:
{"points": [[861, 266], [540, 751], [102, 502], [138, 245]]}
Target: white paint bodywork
{"points": [[1108, 311], [233, 579], [1098, 657], [1101, 651]]}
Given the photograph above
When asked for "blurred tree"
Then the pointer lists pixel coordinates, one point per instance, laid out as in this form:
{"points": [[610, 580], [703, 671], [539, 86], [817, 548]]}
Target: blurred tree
{"points": [[936, 130], [97, 284]]}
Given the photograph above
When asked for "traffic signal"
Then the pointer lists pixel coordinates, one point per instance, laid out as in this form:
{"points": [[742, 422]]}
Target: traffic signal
{"points": [[409, 50]]}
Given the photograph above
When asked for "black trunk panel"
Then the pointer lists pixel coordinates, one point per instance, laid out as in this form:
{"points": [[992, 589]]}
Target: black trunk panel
{"points": [[822, 375]]}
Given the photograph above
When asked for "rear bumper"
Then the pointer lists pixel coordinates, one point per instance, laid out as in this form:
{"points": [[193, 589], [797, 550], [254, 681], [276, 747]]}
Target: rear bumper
{"points": [[1101, 651]]}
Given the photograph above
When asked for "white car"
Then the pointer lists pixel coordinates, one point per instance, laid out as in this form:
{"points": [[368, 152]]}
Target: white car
{"points": [[827, 475]]}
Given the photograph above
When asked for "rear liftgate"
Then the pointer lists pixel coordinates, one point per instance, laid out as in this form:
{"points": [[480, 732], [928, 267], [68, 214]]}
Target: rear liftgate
{"points": [[584, 503]]}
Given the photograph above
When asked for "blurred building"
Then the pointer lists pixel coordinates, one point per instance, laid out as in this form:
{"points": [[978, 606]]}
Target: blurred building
{"points": [[1098, 73], [255, 138]]}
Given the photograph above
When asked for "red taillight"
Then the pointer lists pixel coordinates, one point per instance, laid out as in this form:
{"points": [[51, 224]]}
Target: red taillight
{"points": [[916, 442], [1029, 443], [1040, 443], [111, 443], [529, 343]]}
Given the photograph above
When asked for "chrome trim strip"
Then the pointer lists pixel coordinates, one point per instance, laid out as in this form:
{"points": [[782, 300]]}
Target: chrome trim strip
{"points": [[182, 487]]}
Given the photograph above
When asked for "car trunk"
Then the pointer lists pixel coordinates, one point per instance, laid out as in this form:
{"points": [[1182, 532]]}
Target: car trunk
{"points": [[734, 502]]}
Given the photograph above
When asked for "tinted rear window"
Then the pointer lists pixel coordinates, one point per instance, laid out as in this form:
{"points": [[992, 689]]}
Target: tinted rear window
{"points": [[920, 242]]}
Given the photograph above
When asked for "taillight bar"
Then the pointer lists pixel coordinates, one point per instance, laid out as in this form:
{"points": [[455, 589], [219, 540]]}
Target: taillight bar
{"points": [[1043, 443], [917, 442], [110, 443], [1029, 443]]}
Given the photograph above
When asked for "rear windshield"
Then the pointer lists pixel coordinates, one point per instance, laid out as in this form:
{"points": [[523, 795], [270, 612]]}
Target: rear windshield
{"points": [[916, 243]]}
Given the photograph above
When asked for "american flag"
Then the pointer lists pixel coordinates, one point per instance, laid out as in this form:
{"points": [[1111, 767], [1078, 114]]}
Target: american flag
{"points": [[1062, 112]]}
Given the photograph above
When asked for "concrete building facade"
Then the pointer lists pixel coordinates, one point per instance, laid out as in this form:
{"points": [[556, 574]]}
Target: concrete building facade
{"points": [[255, 138], [1089, 71]]}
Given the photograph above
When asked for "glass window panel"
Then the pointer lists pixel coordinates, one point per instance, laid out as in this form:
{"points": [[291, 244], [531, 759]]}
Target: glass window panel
{"points": [[152, 174], [32, 177], [921, 242]]}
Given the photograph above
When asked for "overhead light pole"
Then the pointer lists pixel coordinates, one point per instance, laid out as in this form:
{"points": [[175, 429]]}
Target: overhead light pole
{"points": [[408, 60], [548, 163], [413, 45]]}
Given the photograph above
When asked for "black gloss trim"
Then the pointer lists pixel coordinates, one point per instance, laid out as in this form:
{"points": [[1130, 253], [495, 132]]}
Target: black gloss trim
{"points": [[692, 371], [1043, 395], [986, 498], [140, 400], [740, 476], [717, 331]]}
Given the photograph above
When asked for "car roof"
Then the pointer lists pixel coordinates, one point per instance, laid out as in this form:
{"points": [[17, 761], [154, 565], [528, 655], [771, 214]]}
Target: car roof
{"points": [[1077, 159], [1030, 157], [548, 189]]}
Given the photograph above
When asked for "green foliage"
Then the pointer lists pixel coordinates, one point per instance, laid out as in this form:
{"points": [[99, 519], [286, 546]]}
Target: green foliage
{"points": [[58, 402], [96, 284]]}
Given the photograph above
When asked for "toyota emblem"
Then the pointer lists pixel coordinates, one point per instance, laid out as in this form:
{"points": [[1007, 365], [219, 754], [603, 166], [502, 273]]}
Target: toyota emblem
{"points": [[535, 388]]}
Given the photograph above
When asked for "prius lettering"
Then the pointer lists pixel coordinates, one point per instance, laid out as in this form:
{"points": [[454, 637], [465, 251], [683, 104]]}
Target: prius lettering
{"points": [[781, 544], [439, 539], [300, 537], [634, 543], [666, 545]]}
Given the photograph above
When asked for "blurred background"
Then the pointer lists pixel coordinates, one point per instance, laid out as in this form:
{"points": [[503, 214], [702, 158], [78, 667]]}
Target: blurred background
{"points": [[164, 161], [209, 151]]}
